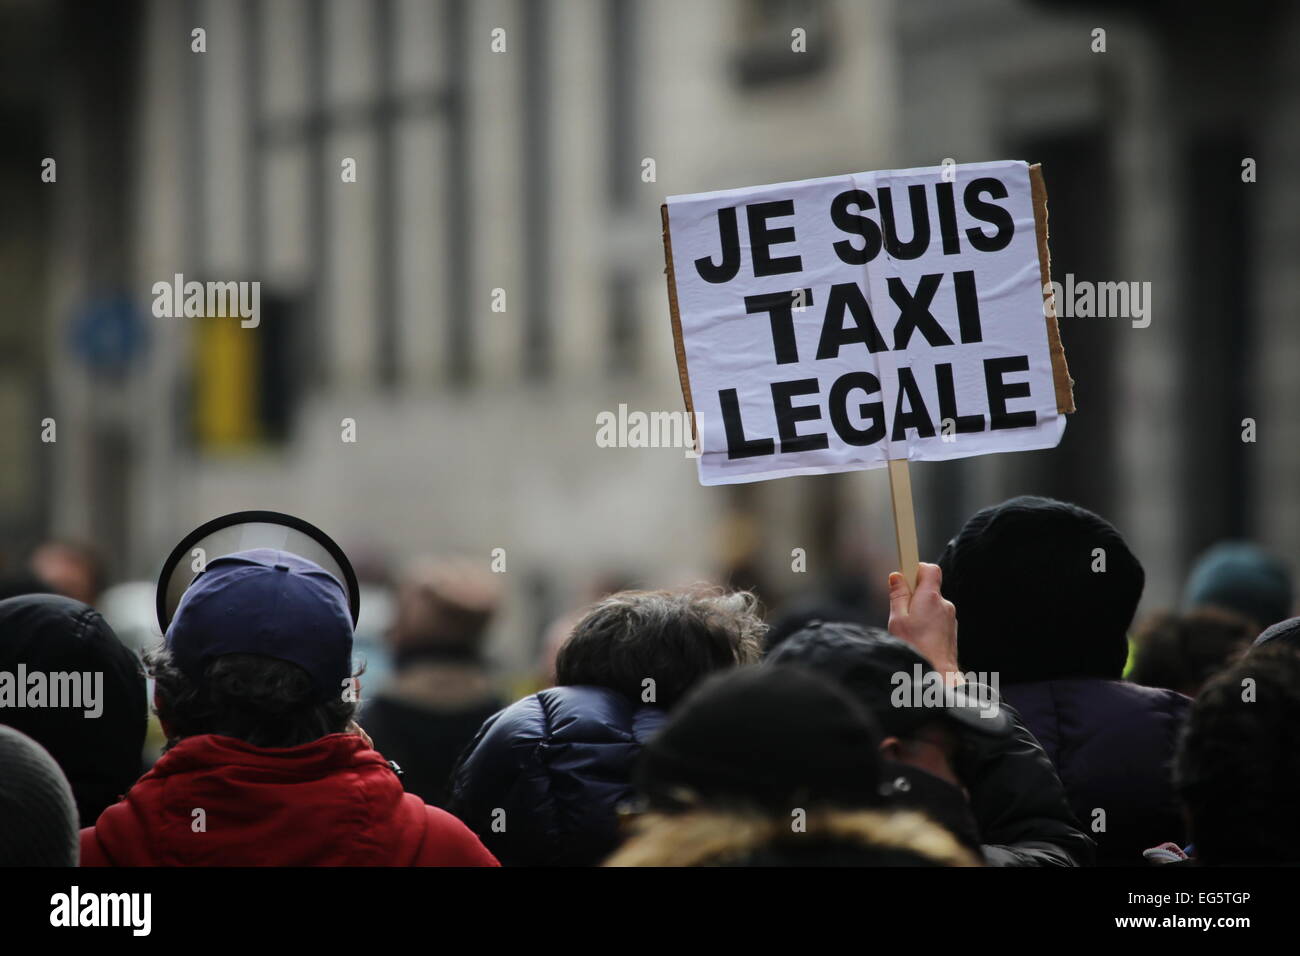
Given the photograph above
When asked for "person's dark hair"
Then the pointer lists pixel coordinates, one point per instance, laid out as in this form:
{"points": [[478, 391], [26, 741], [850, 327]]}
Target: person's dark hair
{"points": [[1238, 769], [677, 638], [261, 700], [1182, 651]]}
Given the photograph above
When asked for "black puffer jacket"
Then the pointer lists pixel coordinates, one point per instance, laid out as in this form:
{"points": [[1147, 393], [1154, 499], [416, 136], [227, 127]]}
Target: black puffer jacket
{"points": [[1113, 744], [1014, 805], [1018, 805], [1018, 799], [558, 763]]}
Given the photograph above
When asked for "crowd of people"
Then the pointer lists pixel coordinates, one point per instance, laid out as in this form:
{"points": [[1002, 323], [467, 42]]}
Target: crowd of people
{"points": [[1009, 712]]}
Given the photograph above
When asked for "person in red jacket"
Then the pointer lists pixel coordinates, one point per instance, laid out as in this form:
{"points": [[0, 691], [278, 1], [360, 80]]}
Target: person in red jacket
{"points": [[264, 764]]}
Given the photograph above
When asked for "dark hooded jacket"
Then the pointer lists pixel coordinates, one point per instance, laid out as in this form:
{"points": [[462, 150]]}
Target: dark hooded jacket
{"points": [[101, 756], [1045, 592], [542, 781], [1113, 744]]}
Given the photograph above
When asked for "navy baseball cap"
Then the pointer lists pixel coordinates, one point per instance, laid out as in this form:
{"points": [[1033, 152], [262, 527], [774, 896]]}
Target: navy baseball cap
{"points": [[268, 602], [245, 531]]}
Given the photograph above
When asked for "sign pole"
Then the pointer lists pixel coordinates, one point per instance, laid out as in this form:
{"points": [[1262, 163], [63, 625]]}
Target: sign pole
{"points": [[900, 490]]}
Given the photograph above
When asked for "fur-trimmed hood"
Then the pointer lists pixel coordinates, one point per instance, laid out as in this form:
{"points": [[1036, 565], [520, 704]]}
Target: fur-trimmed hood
{"points": [[861, 837]]}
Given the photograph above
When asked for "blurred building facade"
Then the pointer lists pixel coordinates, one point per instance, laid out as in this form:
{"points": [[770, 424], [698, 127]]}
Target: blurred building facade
{"points": [[491, 281], [1144, 138], [493, 278]]}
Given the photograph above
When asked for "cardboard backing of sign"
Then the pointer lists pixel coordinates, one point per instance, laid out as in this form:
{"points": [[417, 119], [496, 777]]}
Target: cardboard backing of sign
{"points": [[1060, 369], [1064, 385]]}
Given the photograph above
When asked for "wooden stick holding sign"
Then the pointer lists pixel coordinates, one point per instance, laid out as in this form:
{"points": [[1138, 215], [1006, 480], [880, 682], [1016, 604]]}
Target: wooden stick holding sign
{"points": [[797, 356], [900, 492]]}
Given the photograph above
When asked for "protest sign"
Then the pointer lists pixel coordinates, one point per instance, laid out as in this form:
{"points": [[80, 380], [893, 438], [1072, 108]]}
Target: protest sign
{"points": [[843, 323]]}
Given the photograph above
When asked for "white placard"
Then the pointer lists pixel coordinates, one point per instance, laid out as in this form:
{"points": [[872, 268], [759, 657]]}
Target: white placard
{"points": [[833, 324]]}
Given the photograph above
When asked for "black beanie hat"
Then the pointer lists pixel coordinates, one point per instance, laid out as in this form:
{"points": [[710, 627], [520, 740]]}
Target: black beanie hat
{"points": [[1033, 602], [100, 756], [776, 738], [38, 817]]}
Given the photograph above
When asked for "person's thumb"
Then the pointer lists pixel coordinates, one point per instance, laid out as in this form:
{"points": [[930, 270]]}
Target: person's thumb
{"points": [[900, 595]]}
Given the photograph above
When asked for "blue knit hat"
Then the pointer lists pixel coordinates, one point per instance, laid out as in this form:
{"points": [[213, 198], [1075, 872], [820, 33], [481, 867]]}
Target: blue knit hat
{"points": [[1243, 578]]}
